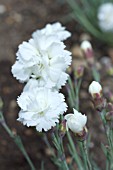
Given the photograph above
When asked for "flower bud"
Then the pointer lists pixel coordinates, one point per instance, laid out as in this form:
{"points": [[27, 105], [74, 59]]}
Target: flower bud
{"points": [[109, 95], [109, 114], [95, 89], [100, 103], [85, 45], [88, 51], [62, 129], [76, 122], [78, 72]]}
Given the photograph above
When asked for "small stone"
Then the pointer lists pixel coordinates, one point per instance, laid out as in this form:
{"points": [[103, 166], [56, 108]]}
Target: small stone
{"points": [[2, 9], [69, 160], [4, 142], [91, 145], [17, 17], [49, 152], [76, 51], [13, 104], [28, 132], [85, 36]]}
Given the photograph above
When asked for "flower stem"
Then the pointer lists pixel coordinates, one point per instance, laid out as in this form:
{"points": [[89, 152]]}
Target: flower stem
{"points": [[74, 152], [58, 143], [95, 73], [108, 133], [17, 140], [89, 166], [77, 83]]}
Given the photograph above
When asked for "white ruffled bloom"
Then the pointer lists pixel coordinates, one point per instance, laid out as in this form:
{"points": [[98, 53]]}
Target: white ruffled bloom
{"points": [[54, 29], [95, 88], [44, 59], [76, 122], [105, 16], [41, 107]]}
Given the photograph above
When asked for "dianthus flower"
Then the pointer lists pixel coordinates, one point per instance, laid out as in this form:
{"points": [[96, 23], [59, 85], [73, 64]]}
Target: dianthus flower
{"points": [[44, 59], [41, 107], [76, 122], [105, 16], [54, 29]]}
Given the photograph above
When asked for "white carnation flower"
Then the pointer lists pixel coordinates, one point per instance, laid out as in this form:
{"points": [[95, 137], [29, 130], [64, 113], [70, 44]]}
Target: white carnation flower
{"points": [[105, 16], [43, 59], [41, 107], [76, 122], [54, 29]]}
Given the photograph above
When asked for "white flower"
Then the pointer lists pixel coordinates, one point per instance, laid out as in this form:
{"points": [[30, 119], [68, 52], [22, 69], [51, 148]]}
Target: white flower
{"points": [[76, 122], [105, 16], [54, 29], [44, 59], [41, 107], [85, 45], [95, 89]]}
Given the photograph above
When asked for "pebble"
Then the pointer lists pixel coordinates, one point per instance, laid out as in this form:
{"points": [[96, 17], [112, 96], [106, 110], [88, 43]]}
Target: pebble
{"points": [[2, 9]]}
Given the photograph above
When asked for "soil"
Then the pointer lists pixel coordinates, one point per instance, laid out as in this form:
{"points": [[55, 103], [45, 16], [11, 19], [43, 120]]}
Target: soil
{"points": [[18, 21]]}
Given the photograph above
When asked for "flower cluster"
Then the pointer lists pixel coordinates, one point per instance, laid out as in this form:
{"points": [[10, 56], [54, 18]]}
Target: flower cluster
{"points": [[42, 63], [105, 17]]}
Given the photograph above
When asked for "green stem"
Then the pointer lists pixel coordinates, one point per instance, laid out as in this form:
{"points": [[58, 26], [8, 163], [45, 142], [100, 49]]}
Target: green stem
{"points": [[74, 152], [57, 140], [77, 91], [71, 92], [96, 74], [89, 166], [108, 136], [62, 149], [83, 155], [17, 140]]}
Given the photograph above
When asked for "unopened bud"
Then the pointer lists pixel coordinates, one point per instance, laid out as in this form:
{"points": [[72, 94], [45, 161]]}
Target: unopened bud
{"points": [[109, 107], [86, 45], [99, 103], [78, 72], [108, 94], [62, 129], [109, 114], [95, 89], [88, 51]]}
